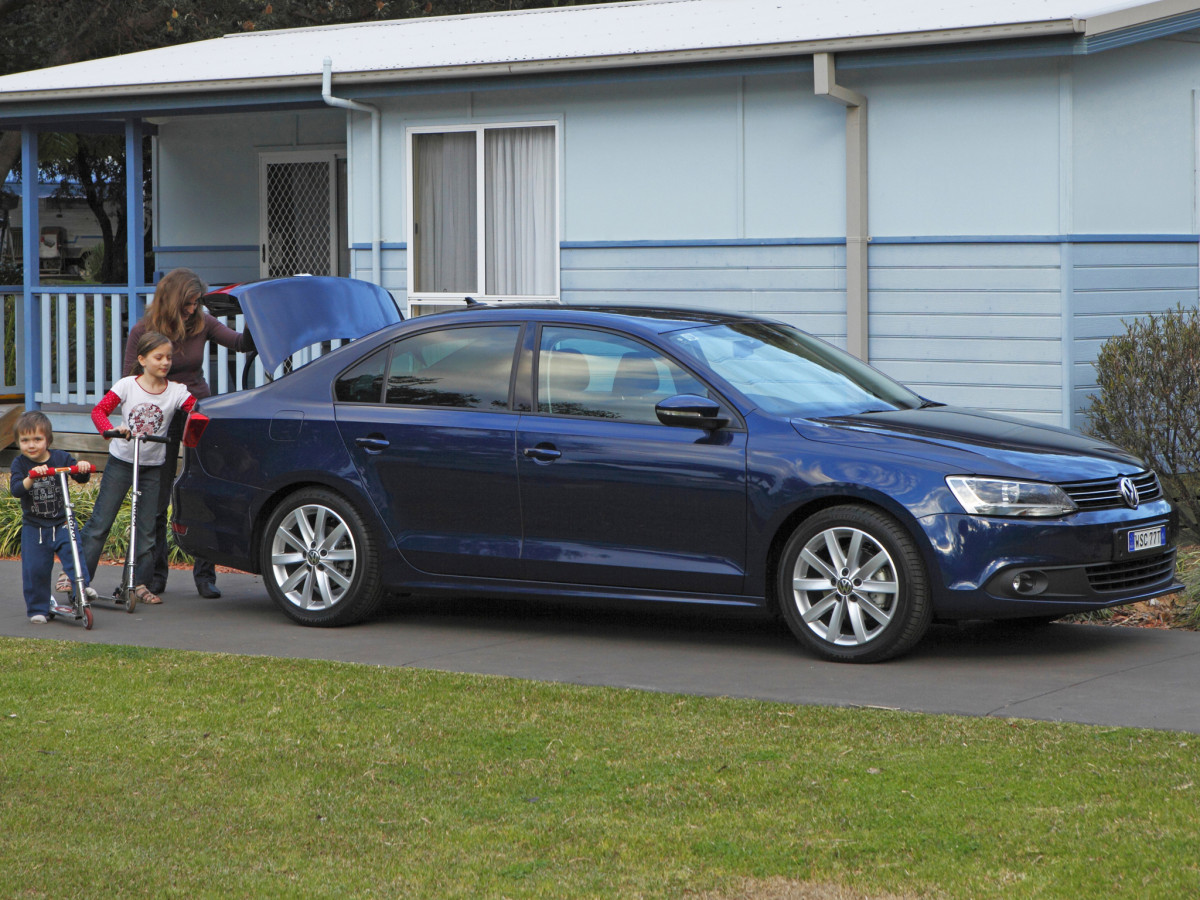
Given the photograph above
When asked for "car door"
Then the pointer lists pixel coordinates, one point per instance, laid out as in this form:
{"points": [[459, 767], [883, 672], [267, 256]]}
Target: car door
{"points": [[610, 496], [428, 424]]}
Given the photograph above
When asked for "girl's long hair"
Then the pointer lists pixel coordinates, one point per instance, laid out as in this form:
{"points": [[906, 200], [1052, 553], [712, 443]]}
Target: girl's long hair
{"points": [[150, 341], [165, 314]]}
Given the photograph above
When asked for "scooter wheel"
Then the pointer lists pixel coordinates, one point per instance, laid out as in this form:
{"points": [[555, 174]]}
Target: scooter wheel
{"points": [[130, 601], [49, 617], [87, 618]]}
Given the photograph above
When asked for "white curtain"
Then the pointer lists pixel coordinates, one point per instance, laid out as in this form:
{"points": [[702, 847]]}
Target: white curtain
{"points": [[520, 228], [445, 213]]}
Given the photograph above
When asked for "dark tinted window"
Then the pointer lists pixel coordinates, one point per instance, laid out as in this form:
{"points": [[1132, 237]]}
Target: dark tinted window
{"points": [[362, 383], [606, 376], [461, 367]]}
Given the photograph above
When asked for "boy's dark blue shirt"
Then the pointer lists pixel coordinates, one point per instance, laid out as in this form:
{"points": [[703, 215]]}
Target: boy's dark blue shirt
{"points": [[44, 503]]}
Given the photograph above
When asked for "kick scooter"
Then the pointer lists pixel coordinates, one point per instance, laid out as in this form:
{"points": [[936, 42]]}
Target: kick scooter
{"points": [[80, 606], [124, 594]]}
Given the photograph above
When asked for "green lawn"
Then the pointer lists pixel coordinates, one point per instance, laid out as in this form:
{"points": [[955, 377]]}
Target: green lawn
{"points": [[137, 772]]}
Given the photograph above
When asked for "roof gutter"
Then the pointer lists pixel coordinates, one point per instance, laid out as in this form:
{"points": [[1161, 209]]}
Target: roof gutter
{"points": [[857, 231], [376, 163]]}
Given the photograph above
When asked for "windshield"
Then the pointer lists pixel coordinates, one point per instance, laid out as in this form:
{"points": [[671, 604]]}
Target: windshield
{"points": [[787, 372]]}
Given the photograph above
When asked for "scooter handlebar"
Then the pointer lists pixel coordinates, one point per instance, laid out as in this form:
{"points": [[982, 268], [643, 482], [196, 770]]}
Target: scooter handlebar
{"points": [[152, 438], [67, 470]]}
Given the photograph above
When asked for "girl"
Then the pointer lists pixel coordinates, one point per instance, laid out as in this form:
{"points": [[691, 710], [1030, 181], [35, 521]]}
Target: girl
{"points": [[148, 402]]}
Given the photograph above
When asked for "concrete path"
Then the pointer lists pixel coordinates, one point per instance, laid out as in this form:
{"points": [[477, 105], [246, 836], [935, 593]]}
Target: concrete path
{"points": [[1079, 673]]}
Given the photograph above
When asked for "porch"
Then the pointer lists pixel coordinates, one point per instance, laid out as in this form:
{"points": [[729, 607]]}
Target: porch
{"points": [[74, 352]]}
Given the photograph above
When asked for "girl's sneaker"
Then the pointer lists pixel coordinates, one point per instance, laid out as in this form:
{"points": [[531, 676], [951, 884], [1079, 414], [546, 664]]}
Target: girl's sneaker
{"points": [[38, 619]]}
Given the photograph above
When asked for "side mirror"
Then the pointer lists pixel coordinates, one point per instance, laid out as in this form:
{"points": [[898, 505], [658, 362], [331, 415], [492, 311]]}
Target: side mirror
{"points": [[691, 411]]}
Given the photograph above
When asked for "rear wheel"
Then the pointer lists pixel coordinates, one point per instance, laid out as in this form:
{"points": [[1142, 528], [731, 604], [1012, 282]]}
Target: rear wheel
{"points": [[319, 561], [852, 585]]}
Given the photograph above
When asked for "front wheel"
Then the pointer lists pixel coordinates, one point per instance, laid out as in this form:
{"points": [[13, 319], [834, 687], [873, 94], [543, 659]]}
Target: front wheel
{"points": [[319, 561], [852, 585]]}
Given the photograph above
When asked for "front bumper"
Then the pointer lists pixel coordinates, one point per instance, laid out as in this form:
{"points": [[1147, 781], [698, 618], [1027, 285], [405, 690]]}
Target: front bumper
{"points": [[995, 568]]}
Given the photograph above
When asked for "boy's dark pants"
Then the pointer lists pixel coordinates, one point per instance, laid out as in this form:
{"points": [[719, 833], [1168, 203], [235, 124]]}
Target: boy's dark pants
{"points": [[39, 546]]}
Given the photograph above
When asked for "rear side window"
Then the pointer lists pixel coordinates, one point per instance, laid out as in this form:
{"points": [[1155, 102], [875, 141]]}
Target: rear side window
{"points": [[363, 382], [467, 368]]}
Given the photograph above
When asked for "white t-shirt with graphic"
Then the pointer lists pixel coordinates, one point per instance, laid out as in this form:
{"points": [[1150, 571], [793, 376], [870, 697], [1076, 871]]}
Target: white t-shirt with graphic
{"points": [[146, 413]]}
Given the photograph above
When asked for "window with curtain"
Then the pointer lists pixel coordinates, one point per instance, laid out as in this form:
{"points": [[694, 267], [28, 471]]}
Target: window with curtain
{"points": [[503, 177]]}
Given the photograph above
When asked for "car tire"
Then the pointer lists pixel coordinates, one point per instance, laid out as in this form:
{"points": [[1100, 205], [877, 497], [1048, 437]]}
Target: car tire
{"points": [[319, 560], [852, 585]]}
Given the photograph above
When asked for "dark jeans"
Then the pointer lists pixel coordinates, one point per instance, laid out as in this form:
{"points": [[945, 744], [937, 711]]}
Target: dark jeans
{"points": [[39, 545], [203, 572], [117, 480]]}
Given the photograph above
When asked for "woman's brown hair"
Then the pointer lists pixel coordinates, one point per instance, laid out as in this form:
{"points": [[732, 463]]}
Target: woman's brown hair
{"points": [[165, 314]]}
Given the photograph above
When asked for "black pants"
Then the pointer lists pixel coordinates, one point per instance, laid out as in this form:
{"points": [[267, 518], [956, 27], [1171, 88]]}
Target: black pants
{"points": [[202, 570]]}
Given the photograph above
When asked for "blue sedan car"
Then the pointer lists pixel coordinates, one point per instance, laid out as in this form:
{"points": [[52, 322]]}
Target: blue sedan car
{"points": [[648, 454]]}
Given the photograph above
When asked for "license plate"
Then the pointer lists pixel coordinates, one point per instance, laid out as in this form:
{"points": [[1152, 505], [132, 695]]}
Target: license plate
{"points": [[1147, 539]]}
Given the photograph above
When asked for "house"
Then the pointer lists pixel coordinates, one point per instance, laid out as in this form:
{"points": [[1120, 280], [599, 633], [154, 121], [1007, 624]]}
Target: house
{"points": [[972, 196]]}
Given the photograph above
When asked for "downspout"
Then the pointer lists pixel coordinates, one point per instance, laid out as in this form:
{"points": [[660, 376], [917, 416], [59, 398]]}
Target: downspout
{"points": [[376, 166], [857, 233]]}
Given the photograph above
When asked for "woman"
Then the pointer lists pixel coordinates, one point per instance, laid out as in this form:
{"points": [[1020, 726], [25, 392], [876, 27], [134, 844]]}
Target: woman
{"points": [[176, 313]]}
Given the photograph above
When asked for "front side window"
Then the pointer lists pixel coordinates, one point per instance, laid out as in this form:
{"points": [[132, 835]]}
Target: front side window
{"points": [[595, 374], [484, 213], [467, 368]]}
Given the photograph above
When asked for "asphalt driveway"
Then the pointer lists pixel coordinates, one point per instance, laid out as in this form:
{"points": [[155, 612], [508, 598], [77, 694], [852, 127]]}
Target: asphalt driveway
{"points": [[1079, 673]]}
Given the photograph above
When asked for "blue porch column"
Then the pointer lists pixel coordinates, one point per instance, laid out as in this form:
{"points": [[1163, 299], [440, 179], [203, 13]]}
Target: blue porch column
{"points": [[135, 214], [30, 236]]}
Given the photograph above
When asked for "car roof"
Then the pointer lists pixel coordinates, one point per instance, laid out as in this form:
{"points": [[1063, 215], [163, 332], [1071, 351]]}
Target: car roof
{"points": [[647, 319]]}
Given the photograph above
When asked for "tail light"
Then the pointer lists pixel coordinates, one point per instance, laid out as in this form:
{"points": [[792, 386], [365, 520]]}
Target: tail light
{"points": [[192, 431]]}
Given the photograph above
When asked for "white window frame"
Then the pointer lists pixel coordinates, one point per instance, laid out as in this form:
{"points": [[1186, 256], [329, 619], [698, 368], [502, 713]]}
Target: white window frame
{"points": [[419, 302]]}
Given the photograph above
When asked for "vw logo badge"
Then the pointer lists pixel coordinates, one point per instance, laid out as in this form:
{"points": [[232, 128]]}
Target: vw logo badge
{"points": [[1129, 492]]}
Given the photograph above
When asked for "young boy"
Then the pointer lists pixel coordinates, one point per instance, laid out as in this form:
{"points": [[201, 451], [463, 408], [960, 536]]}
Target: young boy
{"points": [[44, 530]]}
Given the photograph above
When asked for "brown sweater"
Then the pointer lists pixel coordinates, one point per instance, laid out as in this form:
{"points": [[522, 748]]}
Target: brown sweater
{"points": [[187, 366]]}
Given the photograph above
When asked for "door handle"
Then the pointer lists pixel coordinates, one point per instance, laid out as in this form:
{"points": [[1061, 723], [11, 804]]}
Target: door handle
{"points": [[373, 444], [542, 453]]}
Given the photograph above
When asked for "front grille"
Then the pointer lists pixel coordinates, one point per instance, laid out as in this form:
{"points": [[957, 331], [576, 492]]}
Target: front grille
{"points": [[1132, 573], [1104, 493]]}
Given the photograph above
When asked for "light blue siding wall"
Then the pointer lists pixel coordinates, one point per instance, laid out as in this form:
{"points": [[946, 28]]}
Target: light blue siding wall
{"points": [[971, 324], [1114, 282], [801, 284]]}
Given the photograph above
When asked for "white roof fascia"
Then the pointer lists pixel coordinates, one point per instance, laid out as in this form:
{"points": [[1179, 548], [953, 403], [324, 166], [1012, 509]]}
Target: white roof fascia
{"points": [[1102, 23]]}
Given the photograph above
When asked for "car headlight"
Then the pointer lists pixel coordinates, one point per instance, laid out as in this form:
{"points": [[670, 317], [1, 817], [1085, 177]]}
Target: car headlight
{"points": [[1004, 497]]}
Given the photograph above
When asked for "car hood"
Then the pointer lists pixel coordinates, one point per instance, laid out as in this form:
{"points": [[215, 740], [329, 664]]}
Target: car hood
{"points": [[977, 443], [284, 315]]}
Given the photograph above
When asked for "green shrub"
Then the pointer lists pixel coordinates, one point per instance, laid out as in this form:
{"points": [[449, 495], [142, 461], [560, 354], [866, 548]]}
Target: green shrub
{"points": [[84, 498], [1149, 401]]}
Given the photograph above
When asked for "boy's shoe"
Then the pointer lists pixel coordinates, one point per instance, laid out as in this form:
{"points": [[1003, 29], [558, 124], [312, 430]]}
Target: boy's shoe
{"points": [[90, 593], [38, 619]]}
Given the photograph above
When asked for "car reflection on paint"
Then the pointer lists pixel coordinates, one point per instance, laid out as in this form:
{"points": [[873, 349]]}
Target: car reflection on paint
{"points": [[650, 454]]}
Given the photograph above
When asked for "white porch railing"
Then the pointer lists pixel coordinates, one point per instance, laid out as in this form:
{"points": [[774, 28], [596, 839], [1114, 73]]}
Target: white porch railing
{"points": [[83, 348]]}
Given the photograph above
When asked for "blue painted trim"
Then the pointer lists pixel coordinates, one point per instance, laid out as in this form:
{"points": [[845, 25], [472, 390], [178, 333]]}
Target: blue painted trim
{"points": [[386, 245], [135, 250], [31, 268], [702, 242], [209, 248], [894, 239]]}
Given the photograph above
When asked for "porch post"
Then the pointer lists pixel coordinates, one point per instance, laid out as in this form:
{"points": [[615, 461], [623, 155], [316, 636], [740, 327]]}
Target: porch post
{"points": [[135, 217], [32, 336]]}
